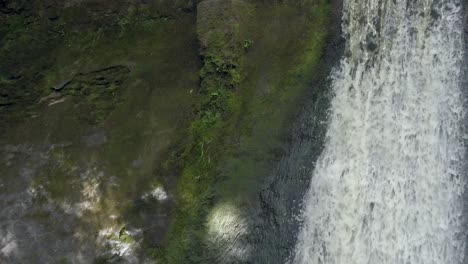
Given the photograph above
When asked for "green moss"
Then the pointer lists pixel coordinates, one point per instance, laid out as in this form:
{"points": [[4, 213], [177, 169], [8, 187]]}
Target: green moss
{"points": [[4, 80], [282, 65], [241, 124], [97, 93], [123, 236], [255, 68], [63, 260], [221, 73], [141, 110], [24, 52]]}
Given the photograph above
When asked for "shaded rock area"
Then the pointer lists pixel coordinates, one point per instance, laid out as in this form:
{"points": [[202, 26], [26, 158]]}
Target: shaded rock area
{"points": [[265, 221], [34, 36], [87, 88], [98, 92], [157, 131]]}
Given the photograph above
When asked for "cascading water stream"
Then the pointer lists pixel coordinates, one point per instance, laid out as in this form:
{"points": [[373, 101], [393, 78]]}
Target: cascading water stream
{"points": [[388, 186]]}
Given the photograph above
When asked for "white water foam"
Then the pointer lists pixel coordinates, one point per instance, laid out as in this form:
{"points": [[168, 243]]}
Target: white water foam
{"points": [[388, 187]]}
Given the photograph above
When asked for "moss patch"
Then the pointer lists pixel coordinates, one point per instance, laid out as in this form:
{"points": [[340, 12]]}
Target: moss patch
{"points": [[222, 52], [282, 66], [215, 131], [126, 72], [255, 70]]}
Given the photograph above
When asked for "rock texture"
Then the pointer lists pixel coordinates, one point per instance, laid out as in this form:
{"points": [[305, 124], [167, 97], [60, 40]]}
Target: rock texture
{"points": [[150, 131], [87, 88]]}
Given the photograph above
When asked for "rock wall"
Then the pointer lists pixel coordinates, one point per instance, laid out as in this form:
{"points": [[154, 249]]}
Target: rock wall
{"points": [[91, 100], [145, 131]]}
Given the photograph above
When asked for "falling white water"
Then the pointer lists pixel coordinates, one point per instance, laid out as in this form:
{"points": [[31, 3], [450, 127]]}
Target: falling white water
{"points": [[388, 186]]}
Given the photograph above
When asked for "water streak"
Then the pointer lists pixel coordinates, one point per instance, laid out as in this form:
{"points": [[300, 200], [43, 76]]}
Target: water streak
{"points": [[388, 187]]}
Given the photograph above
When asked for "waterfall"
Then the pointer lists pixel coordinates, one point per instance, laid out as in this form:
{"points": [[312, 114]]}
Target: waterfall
{"points": [[388, 186]]}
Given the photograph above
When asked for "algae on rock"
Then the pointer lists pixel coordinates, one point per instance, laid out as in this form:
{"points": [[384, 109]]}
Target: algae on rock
{"points": [[114, 98], [249, 99], [196, 99]]}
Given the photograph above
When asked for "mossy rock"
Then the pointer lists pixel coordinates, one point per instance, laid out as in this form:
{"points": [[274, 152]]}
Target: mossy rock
{"points": [[97, 92]]}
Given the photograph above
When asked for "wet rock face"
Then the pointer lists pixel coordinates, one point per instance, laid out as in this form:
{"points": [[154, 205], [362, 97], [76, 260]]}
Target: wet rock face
{"points": [[260, 229], [219, 17], [111, 80], [97, 92], [118, 112], [12, 7], [32, 33], [24, 210]]}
